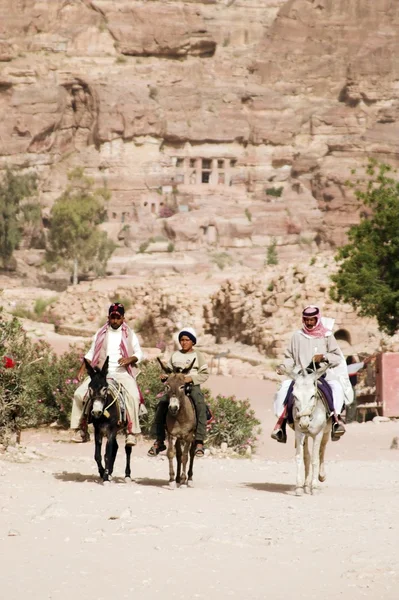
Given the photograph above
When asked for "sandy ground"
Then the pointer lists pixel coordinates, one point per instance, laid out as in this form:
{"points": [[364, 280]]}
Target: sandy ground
{"points": [[240, 533]]}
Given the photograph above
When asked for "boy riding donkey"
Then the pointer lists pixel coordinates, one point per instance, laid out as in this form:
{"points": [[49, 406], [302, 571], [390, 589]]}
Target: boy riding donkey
{"points": [[198, 374], [310, 346]]}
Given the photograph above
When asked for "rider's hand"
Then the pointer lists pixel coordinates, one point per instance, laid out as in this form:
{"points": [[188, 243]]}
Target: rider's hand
{"points": [[188, 379], [163, 377], [280, 370], [318, 358]]}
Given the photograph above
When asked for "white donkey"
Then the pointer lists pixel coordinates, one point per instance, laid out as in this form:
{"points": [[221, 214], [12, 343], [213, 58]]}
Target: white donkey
{"points": [[310, 420]]}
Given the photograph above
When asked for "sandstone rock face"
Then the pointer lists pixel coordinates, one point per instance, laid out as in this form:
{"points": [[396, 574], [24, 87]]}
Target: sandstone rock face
{"points": [[249, 115]]}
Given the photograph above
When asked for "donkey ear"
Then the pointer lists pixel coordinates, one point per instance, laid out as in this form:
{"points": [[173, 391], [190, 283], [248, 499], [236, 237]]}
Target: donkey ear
{"points": [[164, 368], [89, 368], [104, 370], [291, 374], [188, 369]]}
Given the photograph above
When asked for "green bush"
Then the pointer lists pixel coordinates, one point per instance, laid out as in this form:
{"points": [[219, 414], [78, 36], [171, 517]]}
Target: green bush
{"points": [[39, 389], [271, 255], [152, 389], [276, 192], [235, 423]]}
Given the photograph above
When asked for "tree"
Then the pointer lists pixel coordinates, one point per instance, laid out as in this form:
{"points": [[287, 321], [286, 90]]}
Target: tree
{"points": [[14, 212], [74, 235], [368, 274]]}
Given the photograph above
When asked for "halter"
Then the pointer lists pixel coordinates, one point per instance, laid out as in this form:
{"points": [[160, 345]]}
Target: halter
{"points": [[114, 397], [307, 412]]}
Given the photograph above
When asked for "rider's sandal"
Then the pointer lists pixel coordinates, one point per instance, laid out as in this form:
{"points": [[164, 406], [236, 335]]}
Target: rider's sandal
{"points": [[199, 451], [156, 448]]}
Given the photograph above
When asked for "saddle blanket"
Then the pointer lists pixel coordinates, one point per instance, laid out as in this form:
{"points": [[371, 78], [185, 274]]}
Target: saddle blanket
{"points": [[324, 390]]}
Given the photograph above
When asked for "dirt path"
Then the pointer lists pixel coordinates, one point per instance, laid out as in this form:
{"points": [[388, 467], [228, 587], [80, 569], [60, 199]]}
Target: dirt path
{"points": [[240, 533]]}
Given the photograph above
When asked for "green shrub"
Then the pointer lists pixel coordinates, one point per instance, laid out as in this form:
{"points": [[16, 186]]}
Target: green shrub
{"points": [[272, 256], [143, 247], [222, 259], [39, 389], [235, 423], [276, 192], [248, 214], [152, 389], [171, 247], [41, 305]]}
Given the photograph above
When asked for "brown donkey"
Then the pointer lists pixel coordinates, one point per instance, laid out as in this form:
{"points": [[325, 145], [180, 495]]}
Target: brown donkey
{"points": [[181, 423]]}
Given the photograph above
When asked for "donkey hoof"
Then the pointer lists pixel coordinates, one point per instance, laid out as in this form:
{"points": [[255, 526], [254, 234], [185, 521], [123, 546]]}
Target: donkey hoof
{"points": [[172, 485], [299, 491], [322, 478], [190, 483], [106, 482], [128, 480], [307, 489]]}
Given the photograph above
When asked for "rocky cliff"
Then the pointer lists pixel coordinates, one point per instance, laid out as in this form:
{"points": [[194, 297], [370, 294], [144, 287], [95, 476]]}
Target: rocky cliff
{"points": [[238, 120]]}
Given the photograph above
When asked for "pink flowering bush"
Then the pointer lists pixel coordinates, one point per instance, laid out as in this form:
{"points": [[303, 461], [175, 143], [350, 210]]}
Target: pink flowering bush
{"points": [[38, 389]]}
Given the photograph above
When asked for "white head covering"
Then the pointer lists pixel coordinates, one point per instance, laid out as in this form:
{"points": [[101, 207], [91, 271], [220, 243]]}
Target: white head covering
{"points": [[189, 332]]}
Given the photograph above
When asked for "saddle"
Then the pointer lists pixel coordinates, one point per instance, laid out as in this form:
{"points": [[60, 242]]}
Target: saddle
{"points": [[118, 394], [209, 415]]}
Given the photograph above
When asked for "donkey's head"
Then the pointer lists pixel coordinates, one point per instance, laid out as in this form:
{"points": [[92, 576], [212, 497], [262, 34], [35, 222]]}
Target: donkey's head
{"points": [[305, 395], [98, 387], [175, 385]]}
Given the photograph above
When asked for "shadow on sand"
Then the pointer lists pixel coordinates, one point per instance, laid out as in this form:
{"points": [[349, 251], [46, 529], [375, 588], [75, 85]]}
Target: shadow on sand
{"points": [[151, 482], [82, 478], [274, 488]]}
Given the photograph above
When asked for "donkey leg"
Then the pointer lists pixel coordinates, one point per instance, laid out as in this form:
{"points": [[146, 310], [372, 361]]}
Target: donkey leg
{"points": [[316, 461], [178, 460], [171, 454], [109, 454], [113, 455], [308, 471], [324, 441], [128, 450], [97, 452], [186, 448], [299, 441], [190, 467]]}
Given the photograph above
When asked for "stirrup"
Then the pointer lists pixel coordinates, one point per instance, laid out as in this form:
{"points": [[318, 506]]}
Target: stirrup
{"points": [[337, 431]]}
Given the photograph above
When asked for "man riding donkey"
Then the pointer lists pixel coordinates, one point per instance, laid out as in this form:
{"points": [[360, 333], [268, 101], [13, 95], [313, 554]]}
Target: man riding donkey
{"points": [[117, 341], [310, 346], [198, 374]]}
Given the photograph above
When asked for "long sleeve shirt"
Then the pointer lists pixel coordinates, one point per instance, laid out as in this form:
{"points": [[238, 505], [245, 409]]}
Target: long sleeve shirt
{"points": [[303, 347], [199, 372], [113, 349]]}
